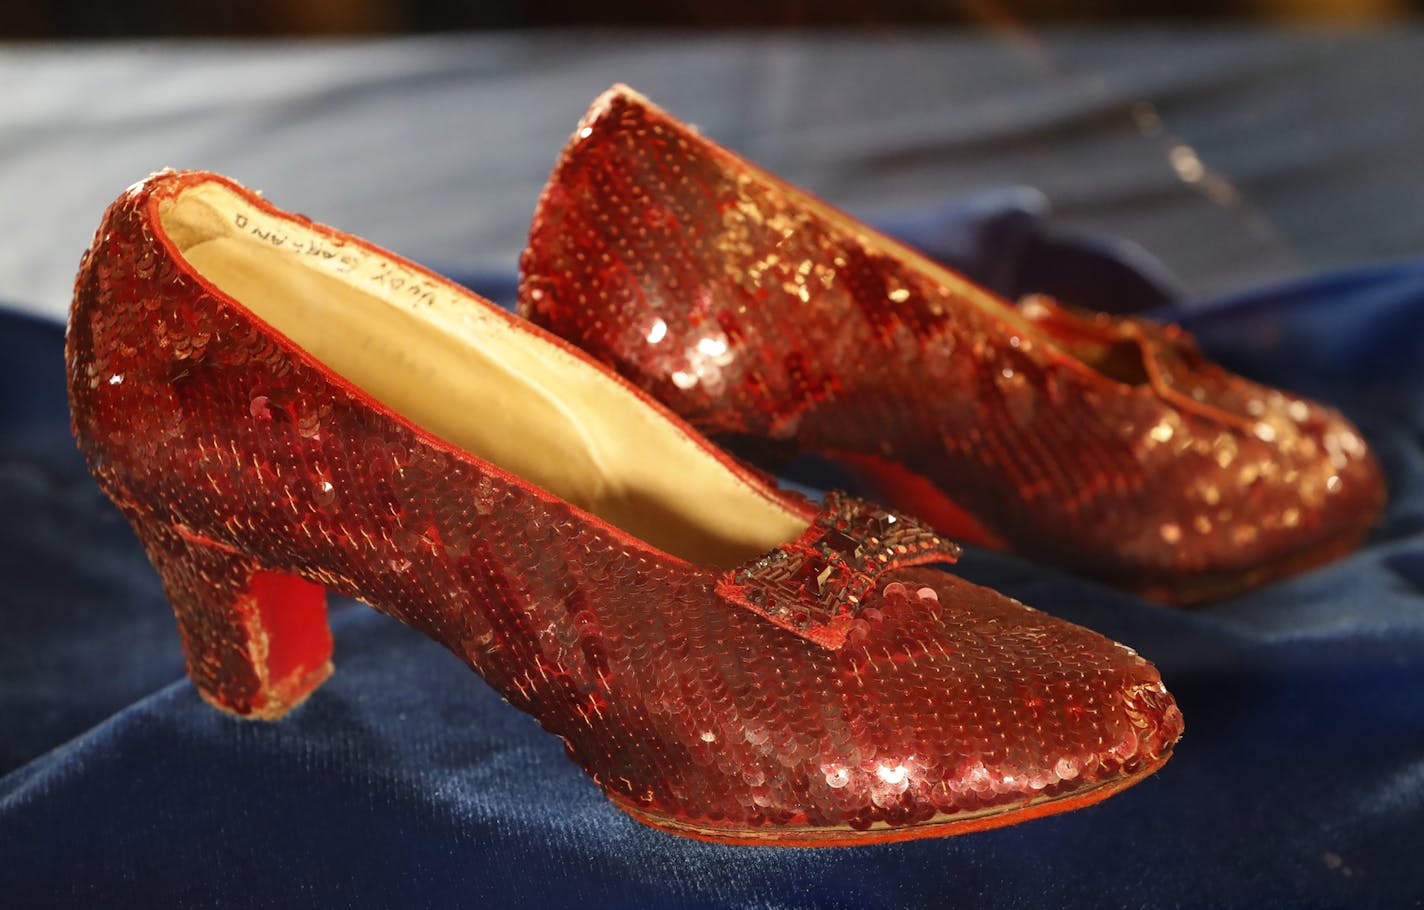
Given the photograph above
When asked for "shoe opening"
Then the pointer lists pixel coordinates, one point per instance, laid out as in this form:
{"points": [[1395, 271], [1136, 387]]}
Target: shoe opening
{"points": [[456, 366]]}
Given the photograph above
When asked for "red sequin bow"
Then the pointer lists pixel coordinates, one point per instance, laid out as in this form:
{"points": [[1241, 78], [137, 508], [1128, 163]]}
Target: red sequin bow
{"points": [[815, 585]]}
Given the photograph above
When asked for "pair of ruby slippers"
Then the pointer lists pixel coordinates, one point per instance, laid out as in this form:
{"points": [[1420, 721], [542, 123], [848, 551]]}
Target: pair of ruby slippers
{"points": [[280, 409]]}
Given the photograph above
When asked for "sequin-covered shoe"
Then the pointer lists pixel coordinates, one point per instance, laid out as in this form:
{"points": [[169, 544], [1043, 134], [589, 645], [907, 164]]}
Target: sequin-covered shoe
{"points": [[779, 325], [281, 409]]}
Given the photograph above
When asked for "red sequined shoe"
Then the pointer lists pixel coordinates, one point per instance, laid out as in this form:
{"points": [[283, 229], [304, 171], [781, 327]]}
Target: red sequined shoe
{"points": [[281, 409], [779, 325]]}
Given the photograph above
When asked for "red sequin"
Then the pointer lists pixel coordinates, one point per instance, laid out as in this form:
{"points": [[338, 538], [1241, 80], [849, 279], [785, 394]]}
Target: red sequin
{"points": [[778, 325], [255, 475]]}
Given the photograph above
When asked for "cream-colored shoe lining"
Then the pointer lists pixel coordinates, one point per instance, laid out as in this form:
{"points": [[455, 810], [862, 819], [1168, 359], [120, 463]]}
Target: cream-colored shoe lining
{"points": [[443, 359]]}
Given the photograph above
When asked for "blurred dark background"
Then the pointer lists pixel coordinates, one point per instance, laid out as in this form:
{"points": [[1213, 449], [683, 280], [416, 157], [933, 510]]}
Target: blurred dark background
{"points": [[59, 19]]}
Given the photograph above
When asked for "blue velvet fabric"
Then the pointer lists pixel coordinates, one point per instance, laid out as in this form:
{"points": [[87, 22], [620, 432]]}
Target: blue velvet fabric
{"points": [[405, 782]]}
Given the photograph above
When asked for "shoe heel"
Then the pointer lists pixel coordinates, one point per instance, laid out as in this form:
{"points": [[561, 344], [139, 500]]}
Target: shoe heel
{"points": [[256, 642], [904, 489]]}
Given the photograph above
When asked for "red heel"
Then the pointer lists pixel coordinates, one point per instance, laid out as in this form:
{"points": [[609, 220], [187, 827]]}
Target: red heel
{"points": [[256, 642], [905, 489]]}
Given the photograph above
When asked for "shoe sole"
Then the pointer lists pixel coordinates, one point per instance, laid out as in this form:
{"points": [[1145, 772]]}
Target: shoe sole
{"points": [[845, 836]]}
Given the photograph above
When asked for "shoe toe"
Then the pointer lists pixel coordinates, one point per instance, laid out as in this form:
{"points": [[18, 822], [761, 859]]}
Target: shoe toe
{"points": [[1351, 488], [970, 710], [1310, 495]]}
